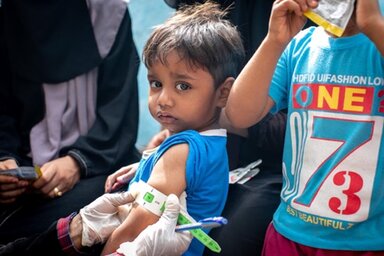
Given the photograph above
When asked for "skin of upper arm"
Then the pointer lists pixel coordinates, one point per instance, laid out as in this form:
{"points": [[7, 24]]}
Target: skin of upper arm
{"points": [[268, 106], [167, 176], [224, 123]]}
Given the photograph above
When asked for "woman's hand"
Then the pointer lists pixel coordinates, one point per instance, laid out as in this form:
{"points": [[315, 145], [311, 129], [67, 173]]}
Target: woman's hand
{"points": [[58, 176], [10, 187], [121, 177]]}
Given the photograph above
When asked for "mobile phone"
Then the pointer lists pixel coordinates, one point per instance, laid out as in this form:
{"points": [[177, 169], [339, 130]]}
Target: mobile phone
{"points": [[23, 172]]}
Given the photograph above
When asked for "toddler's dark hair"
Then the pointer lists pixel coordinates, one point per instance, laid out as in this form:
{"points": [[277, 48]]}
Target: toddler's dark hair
{"points": [[200, 34]]}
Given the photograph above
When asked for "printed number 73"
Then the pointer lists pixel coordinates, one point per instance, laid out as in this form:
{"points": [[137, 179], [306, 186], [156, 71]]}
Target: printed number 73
{"points": [[338, 130]]}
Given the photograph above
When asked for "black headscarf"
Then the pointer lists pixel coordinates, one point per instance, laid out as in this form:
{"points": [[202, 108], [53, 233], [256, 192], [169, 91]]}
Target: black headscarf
{"points": [[49, 41]]}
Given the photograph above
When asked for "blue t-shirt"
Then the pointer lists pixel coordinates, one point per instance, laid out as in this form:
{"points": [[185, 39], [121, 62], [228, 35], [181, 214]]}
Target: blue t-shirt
{"points": [[333, 192], [206, 174]]}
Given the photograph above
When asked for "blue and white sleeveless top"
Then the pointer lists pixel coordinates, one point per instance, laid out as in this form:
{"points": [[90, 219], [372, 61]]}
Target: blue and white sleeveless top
{"points": [[207, 174]]}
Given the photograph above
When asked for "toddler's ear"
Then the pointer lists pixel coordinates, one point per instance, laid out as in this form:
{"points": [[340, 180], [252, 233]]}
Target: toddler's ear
{"points": [[223, 92]]}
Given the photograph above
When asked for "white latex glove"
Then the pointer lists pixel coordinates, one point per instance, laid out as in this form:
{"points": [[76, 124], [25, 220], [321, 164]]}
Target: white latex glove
{"points": [[160, 239], [101, 217]]}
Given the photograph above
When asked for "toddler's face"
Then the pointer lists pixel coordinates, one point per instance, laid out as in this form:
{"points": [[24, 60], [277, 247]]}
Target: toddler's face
{"points": [[182, 97]]}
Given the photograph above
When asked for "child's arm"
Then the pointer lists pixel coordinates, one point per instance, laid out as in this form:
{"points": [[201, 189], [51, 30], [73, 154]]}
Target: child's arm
{"points": [[371, 22], [248, 101], [120, 177], [224, 123], [168, 176]]}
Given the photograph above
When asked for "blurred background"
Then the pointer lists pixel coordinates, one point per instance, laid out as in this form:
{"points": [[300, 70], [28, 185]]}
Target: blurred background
{"points": [[145, 14]]}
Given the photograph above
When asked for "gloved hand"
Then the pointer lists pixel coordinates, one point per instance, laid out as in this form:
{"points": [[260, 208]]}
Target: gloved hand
{"points": [[160, 238], [101, 217]]}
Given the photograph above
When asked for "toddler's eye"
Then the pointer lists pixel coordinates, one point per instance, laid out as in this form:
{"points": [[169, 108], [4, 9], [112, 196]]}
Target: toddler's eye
{"points": [[182, 87], [155, 84]]}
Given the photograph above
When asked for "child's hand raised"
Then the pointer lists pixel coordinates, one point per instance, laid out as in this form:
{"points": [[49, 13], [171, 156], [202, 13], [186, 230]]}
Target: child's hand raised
{"points": [[370, 21], [368, 15], [287, 19]]}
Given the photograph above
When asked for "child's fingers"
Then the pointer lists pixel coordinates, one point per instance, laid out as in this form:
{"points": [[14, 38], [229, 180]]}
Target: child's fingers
{"points": [[313, 3], [307, 4], [303, 5], [125, 178], [120, 177], [108, 184], [116, 186], [111, 180], [294, 6]]}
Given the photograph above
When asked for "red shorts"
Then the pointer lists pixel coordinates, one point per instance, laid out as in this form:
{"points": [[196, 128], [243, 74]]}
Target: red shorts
{"points": [[277, 245]]}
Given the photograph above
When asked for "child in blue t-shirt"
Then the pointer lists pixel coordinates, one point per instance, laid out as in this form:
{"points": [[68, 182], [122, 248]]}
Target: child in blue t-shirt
{"points": [[192, 60], [333, 164]]}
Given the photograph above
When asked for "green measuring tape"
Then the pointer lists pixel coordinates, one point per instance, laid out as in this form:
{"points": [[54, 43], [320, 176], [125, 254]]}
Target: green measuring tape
{"points": [[154, 201], [200, 235]]}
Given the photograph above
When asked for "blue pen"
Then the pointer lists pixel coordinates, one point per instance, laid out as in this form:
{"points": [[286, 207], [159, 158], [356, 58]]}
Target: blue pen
{"points": [[212, 222]]}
